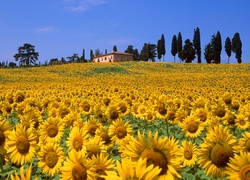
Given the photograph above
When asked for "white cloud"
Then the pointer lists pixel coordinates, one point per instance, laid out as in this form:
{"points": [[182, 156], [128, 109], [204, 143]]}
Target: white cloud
{"points": [[82, 5], [45, 29]]}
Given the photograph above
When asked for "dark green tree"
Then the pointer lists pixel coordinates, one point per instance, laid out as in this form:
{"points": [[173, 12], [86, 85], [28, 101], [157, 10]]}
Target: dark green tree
{"points": [[217, 47], [115, 48], [83, 56], [73, 58], [188, 51], [159, 55], [163, 47], [133, 51], [91, 55], [179, 45], [151, 52], [228, 48], [208, 53], [174, 49], [197, 44], [98, 52], [129, 49], [26, 55], [237, 47], [144, 53], [106, 51]]}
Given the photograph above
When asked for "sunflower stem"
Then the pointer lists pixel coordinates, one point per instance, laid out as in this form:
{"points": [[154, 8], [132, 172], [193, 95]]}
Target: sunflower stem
{"points": [[167, 127]]}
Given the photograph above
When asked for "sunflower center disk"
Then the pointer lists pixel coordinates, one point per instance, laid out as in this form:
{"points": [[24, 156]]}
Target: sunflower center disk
{"points": [[220, 154], [51, 159], [86, 107], [157, 158], [77, 143], [203, 117], [79, 172], [245, 172], [220, 112], [105, 137], [2, 137], [120, 132], [188, 154], [93, 149], [192, 127], [114, 114], [123, 109], [162, 110], [52, 130], [22, 144], [92, 129]]}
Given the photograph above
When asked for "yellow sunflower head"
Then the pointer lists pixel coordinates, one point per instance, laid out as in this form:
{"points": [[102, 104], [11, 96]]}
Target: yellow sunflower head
{"points": [[5, 130], [192, 126], [95, 146], [91, 126], [78, 166], [239, 166], [244, 142], [216, 150], [189, 153], [77, 138], [51, 158], [51, 130], [119, 130], [21, 145], [242, 121]]}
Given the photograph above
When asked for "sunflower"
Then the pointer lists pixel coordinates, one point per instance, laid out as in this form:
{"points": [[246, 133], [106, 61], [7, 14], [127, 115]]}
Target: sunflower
{"points": [[5, 130], [51, 130], [78, 166], [180, 115], [123, 107], [99, 113], [95, 146], [163, 153], [216, 150], [170, 117], [50, 158], [23, 175], [102, 163], [112, 113], [242, 121], [19, 96], [189, 153], [72, 118], [86, 107], [21, 145], [91, 126], [244, 142], [127, 169], [102, 131], [203, 114], [239, 167], [118, 130], [161, 110], [219, 109], [192, 126], [229, 119], [142, 111], [77, 138]]}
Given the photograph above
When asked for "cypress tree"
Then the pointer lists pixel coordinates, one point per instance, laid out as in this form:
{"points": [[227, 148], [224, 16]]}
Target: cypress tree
{"points": [[91, 55], [179, 45], [237, 47], [174, 48], [114, 48], [228, 48], [208, 53], [159, 53], [144, 52], [217, 47], [163, 47], [188, 51], [197, 43]]}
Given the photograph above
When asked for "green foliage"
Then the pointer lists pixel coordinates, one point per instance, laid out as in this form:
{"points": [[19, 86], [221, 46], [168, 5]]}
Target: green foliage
{"points": [[109, 70]]}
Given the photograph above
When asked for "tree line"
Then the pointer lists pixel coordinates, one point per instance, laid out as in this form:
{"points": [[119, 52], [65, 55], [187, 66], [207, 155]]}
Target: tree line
{"points": [[27, 56]]}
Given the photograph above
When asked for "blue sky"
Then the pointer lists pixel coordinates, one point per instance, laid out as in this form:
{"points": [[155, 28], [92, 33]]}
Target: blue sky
{"points": [[60, 28]]}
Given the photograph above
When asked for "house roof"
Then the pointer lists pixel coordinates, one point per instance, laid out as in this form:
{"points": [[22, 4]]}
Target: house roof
{"points": [[115, 52]]}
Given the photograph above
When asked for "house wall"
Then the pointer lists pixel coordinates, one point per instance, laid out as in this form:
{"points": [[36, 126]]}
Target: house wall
{"points": [[115, 57]]}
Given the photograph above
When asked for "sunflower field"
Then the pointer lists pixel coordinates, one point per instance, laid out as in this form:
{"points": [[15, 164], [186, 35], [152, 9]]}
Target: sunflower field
{"points": [[123, 121]]}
